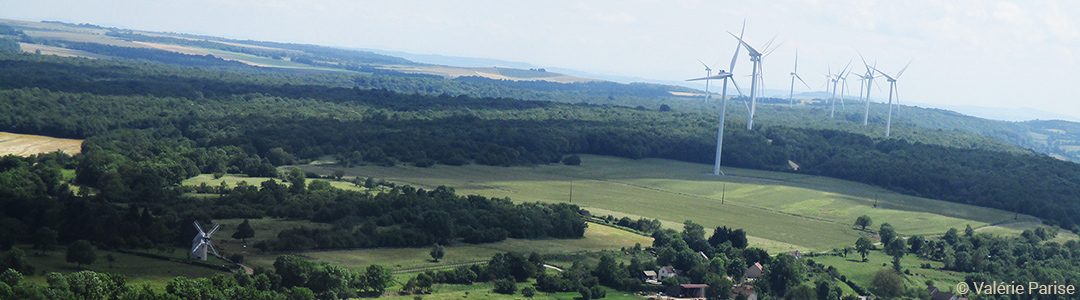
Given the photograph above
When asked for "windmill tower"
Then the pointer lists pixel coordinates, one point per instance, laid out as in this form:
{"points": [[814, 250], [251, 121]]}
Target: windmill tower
{"points": [[201, 243]]}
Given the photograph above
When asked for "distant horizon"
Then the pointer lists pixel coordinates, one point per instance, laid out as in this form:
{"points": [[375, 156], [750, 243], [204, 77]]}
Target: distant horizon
{"points": [[965, 54]]}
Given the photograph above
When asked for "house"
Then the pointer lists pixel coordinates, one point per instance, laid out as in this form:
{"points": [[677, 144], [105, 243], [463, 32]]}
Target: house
{"points": [[753, 272], [651, 277], [688, 291], [936, 294], [746, 290], [666, 272]]}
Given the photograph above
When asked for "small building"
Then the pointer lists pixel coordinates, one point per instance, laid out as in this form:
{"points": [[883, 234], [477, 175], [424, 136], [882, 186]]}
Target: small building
{"points": [[746, 290], [753, 272], [796, 254], [666, 272], [937, 294], [688, 291], [650, 277]]}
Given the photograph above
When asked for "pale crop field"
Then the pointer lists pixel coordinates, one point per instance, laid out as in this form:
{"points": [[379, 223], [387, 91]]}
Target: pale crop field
{"points": [[26, 145], [780, 211]]}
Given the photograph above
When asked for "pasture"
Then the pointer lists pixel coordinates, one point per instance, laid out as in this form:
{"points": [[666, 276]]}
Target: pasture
{"points": [[26, 145], [136, 269], [862, 273], [780, 211], [411, 260], [484, 291], [231, 180]]}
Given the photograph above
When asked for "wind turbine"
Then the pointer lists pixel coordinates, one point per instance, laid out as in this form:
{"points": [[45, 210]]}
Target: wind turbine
{"points": [[708, 73], [835, 78], [843, 86], [892, 90], [869, 78], [201, 242], [726, 76], [795, 75], [756, 76]]}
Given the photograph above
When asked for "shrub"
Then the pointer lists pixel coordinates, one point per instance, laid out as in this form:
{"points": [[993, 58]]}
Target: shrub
{"points": [[505, 286], [528, 292], [572, 160]]}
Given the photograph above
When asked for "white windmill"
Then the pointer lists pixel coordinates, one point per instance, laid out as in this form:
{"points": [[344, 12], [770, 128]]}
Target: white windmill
{"points": [[201, 243], [835, 79], [756, 77], [708, 74], [869, 79], [726, 76], [892, 90], [795, 75]]}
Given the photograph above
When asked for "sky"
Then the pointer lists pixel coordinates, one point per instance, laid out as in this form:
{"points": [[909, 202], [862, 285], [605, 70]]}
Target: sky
{"points": [[965, 53]]}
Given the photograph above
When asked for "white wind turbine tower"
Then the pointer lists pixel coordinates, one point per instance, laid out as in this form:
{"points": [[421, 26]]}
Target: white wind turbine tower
{"points": [[201, 243], [726, 76], [892, 90], [835, 79], [795, 75], [756, 76], [708, 73], [869, 78], [844, 86]]}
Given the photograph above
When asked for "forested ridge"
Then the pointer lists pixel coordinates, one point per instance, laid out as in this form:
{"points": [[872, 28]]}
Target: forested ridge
{"points": [[183, 122]]}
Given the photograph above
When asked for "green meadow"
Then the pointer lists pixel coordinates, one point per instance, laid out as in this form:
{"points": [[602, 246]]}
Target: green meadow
{"points": [[411, 260], [780, 211]]}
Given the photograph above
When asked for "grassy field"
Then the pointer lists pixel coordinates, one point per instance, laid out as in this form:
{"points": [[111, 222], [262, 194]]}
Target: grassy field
{"points": [[780, 211], [484, 291], [25, 144], [231, 180], [863, 272], [137, 269], [408, 260]]}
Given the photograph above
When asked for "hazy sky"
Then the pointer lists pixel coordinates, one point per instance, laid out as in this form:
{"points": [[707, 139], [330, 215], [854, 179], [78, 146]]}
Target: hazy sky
{"points": [[969, 52]]}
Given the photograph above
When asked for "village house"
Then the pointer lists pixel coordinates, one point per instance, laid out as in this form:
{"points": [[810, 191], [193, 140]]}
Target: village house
{"points": [[650, 277], [745, 289], [666, 272], [688, 291], [937, 294], [753, 272]]}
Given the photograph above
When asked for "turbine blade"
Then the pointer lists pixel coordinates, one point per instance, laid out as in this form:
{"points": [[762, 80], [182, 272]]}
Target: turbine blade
{"points": [[883, 73], [198, 227], [803, 81], [753, 51], [770, 51], [703, 64], [796, 61], [731, 67], [773, 39], [737, 89], [904, 69], [213, 230], [714, 77]]}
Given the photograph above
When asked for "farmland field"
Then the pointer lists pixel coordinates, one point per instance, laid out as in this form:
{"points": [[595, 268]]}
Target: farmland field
{"points": [[25, 144], [406, 260], [137, 269], [231, 180], [780, 211], [863, 272]]}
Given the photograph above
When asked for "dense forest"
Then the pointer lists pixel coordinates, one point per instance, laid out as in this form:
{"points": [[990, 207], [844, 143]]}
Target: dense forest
{"points": [[175, 125]]}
